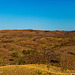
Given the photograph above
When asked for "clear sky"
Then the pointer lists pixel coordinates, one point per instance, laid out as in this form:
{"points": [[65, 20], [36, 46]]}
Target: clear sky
{"points": [[37, 14]]}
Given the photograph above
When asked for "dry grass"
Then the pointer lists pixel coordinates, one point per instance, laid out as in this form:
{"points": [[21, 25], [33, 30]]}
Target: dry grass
{"points": [[42, 47], [32, 69]]}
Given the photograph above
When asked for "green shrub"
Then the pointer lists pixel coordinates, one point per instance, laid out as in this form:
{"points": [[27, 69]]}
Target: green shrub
{"points": [[22, 61], [52, 64], [25, 52], [3, 64], [64, 69], [59, 59], [0, 62], [29, 51], [34, 51], [39, 72], [15, 54], [0, 56], [11, 49]]}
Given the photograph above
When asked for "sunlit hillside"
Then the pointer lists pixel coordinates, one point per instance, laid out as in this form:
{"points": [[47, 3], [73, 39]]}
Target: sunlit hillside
{"points": [[21, 47], [33, 69]]}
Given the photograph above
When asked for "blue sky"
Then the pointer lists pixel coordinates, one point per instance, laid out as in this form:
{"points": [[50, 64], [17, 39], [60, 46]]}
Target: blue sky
{"points": [[37, 14]]}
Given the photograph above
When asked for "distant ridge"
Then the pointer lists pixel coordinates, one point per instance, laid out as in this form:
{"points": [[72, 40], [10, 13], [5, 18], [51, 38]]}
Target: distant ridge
{"points": [[31, 30]]}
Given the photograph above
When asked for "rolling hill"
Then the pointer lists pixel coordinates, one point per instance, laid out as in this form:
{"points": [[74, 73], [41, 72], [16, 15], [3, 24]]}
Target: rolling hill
{"points": [[21, 47]]}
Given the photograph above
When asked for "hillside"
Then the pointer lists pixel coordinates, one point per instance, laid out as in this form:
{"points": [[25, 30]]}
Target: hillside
{"points": [[34, 70], [20, 47]]}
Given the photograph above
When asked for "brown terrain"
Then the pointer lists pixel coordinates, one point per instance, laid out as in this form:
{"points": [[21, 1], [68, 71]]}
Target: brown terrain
{"points": [[19, 47]]}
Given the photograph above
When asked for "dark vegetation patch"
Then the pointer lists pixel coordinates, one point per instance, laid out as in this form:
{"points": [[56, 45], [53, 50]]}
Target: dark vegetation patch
{"points": [[21, 61], [11, 60], [15, 54], [25, 52], [54, 61], [57, 60], [71, 53]]}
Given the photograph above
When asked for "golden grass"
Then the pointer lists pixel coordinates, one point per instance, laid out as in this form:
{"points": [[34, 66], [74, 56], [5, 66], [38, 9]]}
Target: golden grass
{"points": [[32, 69]]}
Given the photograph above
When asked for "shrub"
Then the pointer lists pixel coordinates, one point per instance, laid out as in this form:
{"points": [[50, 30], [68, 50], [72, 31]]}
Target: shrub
{"points": [[0, 62], [3, 64], [21, 61], [29, 51], [59, 59], [64, 69], [39, 72], [52, 64], [25, 52], [11, 49], [71, 53], [34, 51], [15, 54], [11, 59], [0, 57]]}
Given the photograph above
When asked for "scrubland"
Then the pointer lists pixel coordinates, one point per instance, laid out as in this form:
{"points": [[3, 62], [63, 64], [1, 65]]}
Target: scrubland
{"points": [[24, 47]]}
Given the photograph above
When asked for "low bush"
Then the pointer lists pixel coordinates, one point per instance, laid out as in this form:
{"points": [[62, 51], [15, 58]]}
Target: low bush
{"points": [[25, 52], [15, 54], [39, 72], [0, 56], [22, 61], [59, 59], [71, 53]]}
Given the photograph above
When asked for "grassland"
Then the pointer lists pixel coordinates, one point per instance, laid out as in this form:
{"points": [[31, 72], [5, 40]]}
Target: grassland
{"points": [[33, 69], [21, 47]]}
